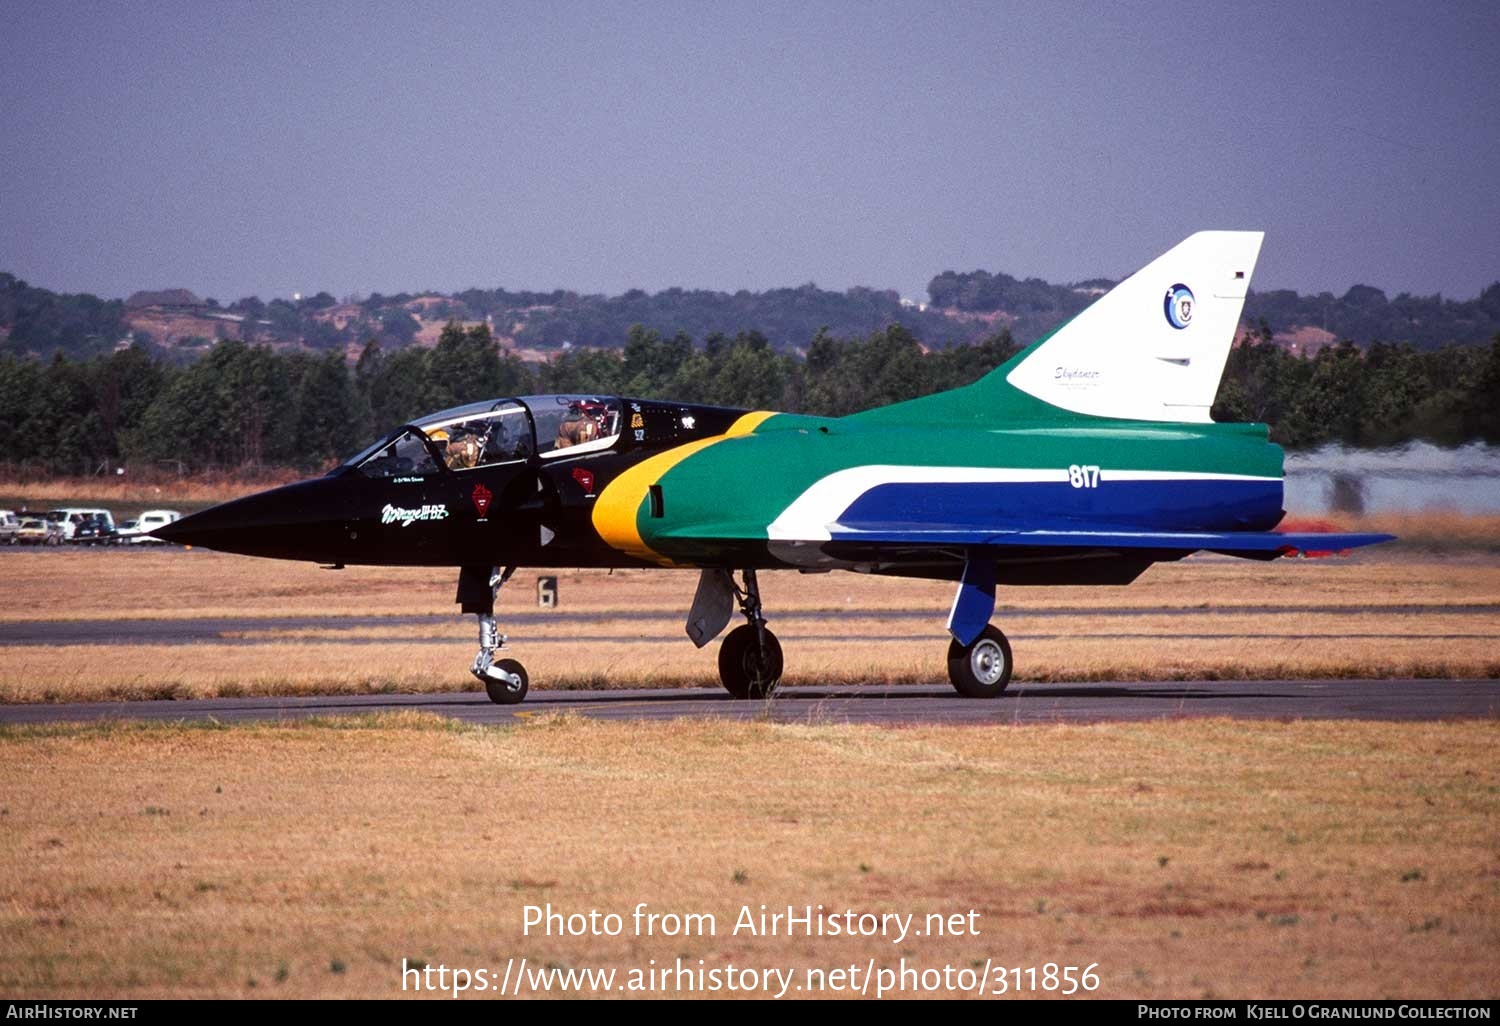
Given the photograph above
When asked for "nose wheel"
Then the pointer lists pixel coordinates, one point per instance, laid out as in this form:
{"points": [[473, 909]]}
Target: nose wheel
{"points": [[505, 682]]}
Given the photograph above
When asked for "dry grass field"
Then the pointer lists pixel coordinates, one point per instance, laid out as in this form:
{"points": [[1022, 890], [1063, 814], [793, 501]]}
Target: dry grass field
{"points": [[1214, 858], [1398, 614]]}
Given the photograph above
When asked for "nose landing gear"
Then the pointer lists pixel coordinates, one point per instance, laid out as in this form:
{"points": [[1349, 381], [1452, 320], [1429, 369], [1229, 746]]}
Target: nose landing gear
{"points": [[478, 589]]}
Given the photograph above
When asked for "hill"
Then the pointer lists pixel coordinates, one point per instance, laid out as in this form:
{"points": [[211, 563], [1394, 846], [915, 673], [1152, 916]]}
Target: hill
{"points": [[963, 308]]}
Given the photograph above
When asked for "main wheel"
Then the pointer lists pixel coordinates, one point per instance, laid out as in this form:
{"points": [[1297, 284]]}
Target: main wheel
{"points": [[745, 671], [981, 669], [503, 692]]}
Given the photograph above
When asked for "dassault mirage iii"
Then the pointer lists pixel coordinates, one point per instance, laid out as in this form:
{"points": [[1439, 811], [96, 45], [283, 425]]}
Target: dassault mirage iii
{"points": [[1085, 459]]}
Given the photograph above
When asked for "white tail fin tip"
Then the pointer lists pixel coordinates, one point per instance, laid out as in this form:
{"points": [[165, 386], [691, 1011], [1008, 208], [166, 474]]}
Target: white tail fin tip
{"points": [[1154, 346]]}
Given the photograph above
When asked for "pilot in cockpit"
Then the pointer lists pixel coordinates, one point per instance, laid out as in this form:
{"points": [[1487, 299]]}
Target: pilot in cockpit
{"points": [[578, 426], [461, 449]]}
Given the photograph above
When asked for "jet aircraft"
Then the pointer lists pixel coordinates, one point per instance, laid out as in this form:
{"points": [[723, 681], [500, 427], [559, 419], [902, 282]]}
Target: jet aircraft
{"points": [[1085, 459]]}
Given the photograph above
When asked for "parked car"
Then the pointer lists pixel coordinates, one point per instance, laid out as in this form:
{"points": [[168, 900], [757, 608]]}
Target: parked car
{"points": [[148, 522], [70, 517], [9, 525], [39, 531], [95, 530]]}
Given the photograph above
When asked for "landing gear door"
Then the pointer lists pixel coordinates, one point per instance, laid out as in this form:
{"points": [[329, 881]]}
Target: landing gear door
{"points": [[713, 605]]}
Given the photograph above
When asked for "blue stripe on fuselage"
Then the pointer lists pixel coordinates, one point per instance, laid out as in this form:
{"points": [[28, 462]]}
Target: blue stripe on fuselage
{"points": [[1177, 505]]}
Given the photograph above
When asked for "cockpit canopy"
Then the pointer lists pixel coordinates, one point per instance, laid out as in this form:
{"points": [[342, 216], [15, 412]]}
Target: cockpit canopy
{"points": [[495, 431]]}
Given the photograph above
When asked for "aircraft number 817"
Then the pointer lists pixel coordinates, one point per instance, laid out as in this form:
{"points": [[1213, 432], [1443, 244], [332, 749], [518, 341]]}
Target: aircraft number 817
{"points": [[1083, 476]]}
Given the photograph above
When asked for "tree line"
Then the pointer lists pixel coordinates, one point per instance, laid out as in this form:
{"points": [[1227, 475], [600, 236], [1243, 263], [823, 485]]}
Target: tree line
{"points": [[1383, 395], [251, 406]]}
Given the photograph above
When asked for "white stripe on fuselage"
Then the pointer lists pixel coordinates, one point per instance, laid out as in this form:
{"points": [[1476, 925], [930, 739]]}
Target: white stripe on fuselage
{"points": [[812, 513]]}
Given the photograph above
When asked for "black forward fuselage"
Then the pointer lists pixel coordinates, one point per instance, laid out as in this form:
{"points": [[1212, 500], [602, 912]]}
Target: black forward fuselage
{"points": [[414, 499]]}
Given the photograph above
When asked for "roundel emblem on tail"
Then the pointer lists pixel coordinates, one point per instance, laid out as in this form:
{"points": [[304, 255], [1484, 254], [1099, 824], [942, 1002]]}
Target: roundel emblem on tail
{"points": [[1179, 306]]}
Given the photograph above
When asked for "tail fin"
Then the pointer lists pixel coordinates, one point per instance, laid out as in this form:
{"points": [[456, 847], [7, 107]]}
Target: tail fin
{"points": [[1154, 346]]}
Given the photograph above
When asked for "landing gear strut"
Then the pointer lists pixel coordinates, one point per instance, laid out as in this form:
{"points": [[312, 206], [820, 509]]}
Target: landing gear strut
{"points": [[478, 590], [750, 658]]}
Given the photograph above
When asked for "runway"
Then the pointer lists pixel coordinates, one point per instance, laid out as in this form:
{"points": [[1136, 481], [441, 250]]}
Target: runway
{"points": [[1397, 700]]}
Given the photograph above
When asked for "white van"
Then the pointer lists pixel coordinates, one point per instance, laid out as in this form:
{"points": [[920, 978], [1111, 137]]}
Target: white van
{"points": [[148, 522], [69, 517]]}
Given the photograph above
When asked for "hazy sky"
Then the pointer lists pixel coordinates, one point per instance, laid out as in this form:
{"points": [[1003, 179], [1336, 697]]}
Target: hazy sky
{"points": [[268, 148]]}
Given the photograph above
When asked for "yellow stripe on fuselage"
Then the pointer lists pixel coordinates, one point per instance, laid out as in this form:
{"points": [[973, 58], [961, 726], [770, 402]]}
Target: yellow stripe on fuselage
{"points": [[618, 507]]}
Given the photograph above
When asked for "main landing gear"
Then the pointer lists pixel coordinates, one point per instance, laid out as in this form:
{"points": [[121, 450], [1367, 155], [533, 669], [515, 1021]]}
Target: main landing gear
{"points": [[478, 589], [979, 658], [979, 662], [750, 658]]}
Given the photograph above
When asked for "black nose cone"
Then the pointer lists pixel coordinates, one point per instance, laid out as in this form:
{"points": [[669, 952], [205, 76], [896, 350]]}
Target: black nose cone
{"points": [[173, 532], [301, 521]]}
